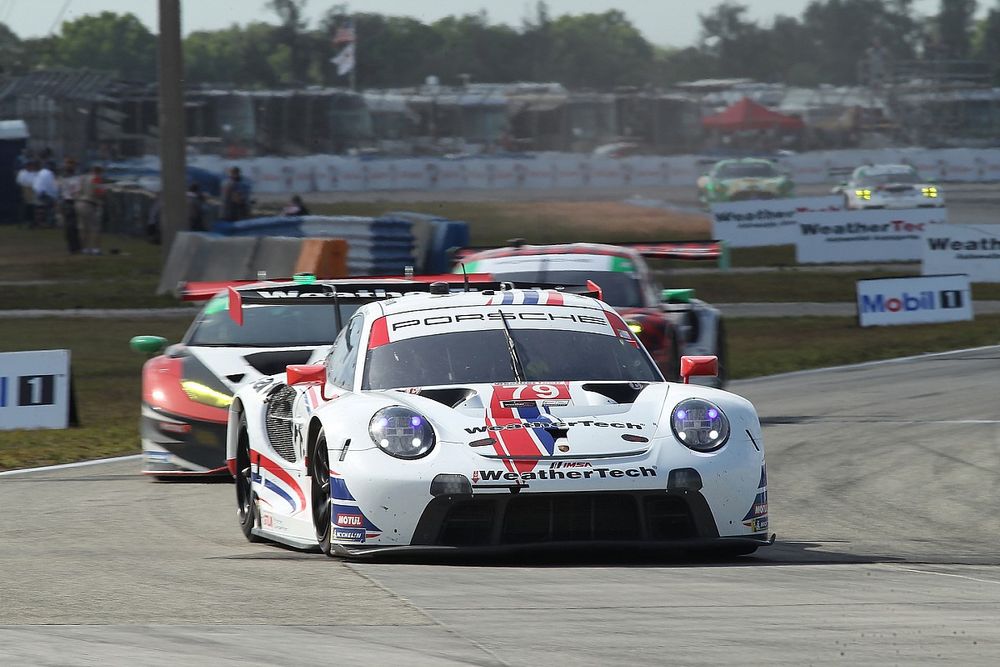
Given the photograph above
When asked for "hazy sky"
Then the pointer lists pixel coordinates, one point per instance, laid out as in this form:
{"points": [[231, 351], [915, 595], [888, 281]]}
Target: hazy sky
{"points": [[664, 22]]}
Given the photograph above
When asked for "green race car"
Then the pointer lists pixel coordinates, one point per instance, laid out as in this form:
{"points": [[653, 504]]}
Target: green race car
{"points": [[746, 178]]}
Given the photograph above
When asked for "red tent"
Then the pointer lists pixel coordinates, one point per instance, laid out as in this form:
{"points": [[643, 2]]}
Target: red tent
{"points": [[748, 115]]}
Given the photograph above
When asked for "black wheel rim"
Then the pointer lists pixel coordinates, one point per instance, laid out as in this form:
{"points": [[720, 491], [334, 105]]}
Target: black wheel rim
{"points": [[243, 492], [320, 469]]}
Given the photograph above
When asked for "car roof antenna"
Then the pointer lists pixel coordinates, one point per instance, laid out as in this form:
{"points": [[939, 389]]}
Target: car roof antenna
{"points": [[465, 276]]}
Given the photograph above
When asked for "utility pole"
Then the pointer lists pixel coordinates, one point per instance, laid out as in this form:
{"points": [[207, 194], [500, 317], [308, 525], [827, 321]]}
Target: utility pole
{"points": [[173, 211]]}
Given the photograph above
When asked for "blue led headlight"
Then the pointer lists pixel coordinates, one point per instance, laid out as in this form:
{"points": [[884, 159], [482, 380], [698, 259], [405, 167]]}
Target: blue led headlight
{"points": [[401, 432], [700, 425]]}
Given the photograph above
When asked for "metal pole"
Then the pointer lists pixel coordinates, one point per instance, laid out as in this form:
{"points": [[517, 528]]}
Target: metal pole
{"points": [[354, 45], [173, 217]]}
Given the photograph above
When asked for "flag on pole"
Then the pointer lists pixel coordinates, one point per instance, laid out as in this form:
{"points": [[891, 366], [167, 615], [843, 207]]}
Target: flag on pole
{"points": [[344, 34], [344, 60]]}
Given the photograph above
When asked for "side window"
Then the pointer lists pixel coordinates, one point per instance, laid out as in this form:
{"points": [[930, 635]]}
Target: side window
{"points": [[343, 359]]}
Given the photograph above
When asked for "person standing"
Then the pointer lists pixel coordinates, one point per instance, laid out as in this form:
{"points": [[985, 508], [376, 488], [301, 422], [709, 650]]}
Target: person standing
{"points": [[69, 188], [235, 197], [88, 209], [195, 208], [26, 179], [46, 195]]}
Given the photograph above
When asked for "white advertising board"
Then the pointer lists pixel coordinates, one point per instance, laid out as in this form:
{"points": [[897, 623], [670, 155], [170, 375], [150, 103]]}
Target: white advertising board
{"points": [[34, 389], [972, 250], [914, 300], [760, 222], [879, 235]]}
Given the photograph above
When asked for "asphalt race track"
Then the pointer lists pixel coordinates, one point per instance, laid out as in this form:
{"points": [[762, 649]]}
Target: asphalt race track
{"points": [[883, 492]]}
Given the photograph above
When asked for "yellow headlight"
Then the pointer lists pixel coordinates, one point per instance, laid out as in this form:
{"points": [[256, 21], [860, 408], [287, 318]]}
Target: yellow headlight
{"points": [[929, 191], [635, 328], [199, 393]]}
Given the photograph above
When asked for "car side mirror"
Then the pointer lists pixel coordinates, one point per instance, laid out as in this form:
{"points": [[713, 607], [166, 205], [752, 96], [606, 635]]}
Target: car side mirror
{"points": [[148, 344], [305, 373], [699, 366], [677, 295]]}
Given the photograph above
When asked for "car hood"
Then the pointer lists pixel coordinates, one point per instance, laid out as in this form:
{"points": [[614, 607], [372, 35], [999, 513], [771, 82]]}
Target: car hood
{"points": [[752, 183], [536, 421]]}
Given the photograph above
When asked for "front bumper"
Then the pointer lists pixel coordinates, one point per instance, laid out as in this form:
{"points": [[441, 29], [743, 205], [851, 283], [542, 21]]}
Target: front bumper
{"points": [[678, 523], [174, 445]]}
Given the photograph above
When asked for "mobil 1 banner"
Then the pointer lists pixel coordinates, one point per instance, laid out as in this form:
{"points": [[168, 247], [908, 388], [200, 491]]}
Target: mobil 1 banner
{"points": [[963, 249], [34, 389], [878, 235], [914, 300], [759, 222]]}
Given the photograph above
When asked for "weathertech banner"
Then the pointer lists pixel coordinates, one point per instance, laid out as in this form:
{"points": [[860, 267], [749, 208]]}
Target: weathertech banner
{"points": [[878, 235], [760, 222], [914, 300], [974, 251]]}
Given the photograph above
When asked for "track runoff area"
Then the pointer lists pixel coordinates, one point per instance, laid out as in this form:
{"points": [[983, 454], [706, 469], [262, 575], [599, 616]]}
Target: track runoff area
{"points": [[882, 480]]}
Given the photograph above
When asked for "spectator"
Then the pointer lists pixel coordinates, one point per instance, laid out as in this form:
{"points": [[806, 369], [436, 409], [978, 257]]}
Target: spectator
{"points": [[69, 188], [295, 207], [235, 197], [195, 208], [88, 209], [26, 179], [46, 195]]}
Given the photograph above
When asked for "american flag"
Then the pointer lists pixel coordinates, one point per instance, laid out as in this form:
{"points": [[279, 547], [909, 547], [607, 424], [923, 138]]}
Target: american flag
{"points": [[344, 34]]}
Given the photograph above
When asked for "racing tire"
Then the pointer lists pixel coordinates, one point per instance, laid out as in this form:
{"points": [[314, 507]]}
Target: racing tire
{"points": [[721, 353], [246, 499], [319, 474]]}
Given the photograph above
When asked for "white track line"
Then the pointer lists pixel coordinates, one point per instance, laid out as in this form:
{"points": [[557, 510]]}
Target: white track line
{"points": [[944, 574], [78, 464], [864, 364]]}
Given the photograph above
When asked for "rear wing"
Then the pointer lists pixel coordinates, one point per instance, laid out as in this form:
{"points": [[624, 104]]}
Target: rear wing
{"points": [[205, 290], [712, 250], [362, 292], [701, 250]]}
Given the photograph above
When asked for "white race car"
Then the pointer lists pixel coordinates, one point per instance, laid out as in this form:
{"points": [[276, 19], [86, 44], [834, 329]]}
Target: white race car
{"points": [[493, 420], [889, 186]]}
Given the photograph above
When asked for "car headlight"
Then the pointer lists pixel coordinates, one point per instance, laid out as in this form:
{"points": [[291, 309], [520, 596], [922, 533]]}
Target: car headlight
{"points": [[863, 194], [700, 425], [401, 432], [200, 393], [929, 191]]}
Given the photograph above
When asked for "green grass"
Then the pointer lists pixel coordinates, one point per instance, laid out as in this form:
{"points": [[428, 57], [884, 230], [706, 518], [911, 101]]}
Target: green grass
{"points": [[765, 346], [125, 279], [106, 378], [107, 375]]}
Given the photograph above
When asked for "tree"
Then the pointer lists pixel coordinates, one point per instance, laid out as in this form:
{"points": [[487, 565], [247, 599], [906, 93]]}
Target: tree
{"points": [[117, 43], [954, 28], [291, 34], [11, 51], [598, 50], [987, 42], [244, 56]]}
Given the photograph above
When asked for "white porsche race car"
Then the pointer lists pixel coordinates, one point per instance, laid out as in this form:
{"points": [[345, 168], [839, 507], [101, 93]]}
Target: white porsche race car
{"points": [[492, 420], [889, 186]]}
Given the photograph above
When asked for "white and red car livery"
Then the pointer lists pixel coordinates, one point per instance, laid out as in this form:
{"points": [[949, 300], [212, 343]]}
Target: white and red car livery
{"points": [[669, 322], [507, 418]]}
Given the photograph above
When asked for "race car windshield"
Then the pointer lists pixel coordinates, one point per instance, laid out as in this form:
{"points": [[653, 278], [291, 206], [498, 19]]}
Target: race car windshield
{"points": [[467, 357], [268, 326], [888, 177], [748, 170], [619, 289]]}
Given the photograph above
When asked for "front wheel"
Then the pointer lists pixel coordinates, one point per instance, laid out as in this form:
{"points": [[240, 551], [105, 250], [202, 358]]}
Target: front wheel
{"points": [[319, 472], [246, 499]]}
